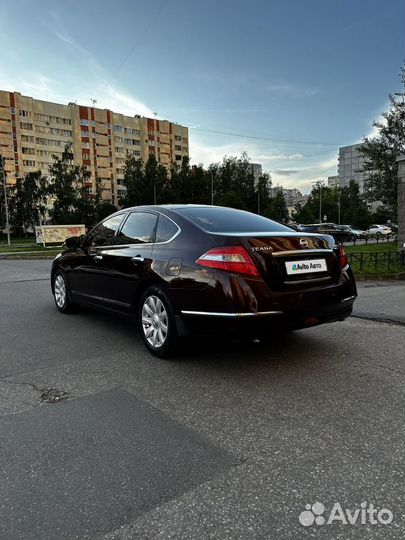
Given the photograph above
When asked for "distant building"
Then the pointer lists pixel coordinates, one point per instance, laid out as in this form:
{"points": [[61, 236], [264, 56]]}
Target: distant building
{"points": [[257, 171], [292, 196], [351, 166], [32, 131], [333, 181]]}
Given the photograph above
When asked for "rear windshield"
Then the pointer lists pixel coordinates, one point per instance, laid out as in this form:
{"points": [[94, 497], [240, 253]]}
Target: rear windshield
{"points": [[230, 220]]}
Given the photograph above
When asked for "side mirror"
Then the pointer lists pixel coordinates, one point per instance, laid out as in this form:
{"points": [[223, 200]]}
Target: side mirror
{"points": [[74, 242]]}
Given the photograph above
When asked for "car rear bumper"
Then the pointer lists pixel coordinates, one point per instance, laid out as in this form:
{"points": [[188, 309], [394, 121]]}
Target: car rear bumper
{"points": [[259, 323]]}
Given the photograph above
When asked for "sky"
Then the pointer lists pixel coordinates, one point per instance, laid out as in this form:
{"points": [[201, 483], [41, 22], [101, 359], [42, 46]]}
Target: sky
{"points": [[287, 81]]}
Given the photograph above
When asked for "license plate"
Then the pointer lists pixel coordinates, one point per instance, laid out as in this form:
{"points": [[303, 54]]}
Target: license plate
{"points": [[306, 267]]}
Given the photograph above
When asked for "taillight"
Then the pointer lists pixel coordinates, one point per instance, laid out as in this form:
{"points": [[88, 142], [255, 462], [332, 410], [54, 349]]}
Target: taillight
{"points": [[231, 259], [343, 257]]}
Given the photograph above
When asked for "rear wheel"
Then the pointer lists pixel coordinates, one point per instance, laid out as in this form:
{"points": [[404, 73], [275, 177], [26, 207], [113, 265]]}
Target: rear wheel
{"points": [[156, 321], [61, 293]]}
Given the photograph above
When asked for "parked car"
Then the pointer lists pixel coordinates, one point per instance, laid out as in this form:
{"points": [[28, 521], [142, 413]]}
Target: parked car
{"points": [[194, 269], [379, 230], [338, 233], [355, 234]]}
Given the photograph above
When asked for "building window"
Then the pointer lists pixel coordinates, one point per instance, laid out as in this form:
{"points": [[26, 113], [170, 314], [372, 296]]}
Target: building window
{"points": [[28, 162], [25, 125], [25, 113]]}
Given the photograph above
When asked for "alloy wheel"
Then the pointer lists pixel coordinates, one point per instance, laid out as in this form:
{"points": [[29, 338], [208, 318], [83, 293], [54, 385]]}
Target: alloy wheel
{"points": [[60, 291], [154, 321]]}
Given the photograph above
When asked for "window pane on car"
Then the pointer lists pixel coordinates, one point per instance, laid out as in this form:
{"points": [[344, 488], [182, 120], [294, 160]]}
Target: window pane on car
{"points": [[230, 220], [138, 228], [166, 229], [104, 234]]}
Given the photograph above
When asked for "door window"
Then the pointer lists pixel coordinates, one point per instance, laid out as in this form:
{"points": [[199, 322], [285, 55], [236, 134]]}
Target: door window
{"points": [[104, 234], [138, 228]]}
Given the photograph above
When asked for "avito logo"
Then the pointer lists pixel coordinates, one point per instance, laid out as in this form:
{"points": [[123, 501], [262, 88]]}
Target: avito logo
{"points": [[366, 514]]}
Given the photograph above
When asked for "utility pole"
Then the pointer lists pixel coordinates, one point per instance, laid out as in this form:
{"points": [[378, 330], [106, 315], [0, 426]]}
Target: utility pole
{"points": [[3, 174]]}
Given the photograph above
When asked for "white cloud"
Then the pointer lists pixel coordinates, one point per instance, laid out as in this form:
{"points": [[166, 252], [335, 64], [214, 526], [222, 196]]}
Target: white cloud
{"points": [[290, 90], [277, 163]]}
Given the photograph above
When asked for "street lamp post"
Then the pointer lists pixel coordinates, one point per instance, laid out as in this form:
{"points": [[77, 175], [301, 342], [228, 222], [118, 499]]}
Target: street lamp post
{"points": [[3, 173], [319, 183], [338, 206], [320, 202], [212, 187]]}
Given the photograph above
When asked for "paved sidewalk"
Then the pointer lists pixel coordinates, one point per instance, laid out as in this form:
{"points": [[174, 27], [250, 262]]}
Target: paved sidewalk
{"points": [[381, 300]]}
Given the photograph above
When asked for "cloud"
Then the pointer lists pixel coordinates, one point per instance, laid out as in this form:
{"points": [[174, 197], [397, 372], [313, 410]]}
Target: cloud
{"points": [[286, 172], [279, 157], [97, 85], [273, 162], [290, 90]]}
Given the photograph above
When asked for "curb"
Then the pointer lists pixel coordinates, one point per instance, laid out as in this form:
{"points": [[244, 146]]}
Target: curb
{"points": [[380, 277], [26, 257]]}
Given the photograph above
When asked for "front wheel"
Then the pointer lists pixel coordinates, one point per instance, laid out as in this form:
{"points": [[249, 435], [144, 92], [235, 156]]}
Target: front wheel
{"points": [[61, 293], [156, 321]]}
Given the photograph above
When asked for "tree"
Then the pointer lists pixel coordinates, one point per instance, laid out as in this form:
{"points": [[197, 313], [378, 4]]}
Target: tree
{"points": [[134, 181], [2, 203], [354, 210], [28, 201], [278, 207], [68, 191], [382, 151]]}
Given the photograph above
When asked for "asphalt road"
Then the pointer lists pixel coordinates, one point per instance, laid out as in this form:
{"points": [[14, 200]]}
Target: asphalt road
{"points": [[230, 441]]}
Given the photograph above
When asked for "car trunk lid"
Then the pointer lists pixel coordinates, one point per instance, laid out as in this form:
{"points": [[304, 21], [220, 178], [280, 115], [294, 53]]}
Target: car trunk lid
{"points": [[294, 260]]}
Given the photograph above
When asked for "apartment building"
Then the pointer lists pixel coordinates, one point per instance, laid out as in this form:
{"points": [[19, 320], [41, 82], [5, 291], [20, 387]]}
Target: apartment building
{"points": [[32, 131], [351, 166], [333, 181]]}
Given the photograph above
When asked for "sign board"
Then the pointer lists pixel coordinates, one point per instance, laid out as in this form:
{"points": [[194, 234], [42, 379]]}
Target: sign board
{"points": [[57, 234]]}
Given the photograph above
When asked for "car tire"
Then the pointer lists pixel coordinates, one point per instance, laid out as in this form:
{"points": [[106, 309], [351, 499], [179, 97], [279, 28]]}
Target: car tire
{"points": [[61, 293], [157, 323]]}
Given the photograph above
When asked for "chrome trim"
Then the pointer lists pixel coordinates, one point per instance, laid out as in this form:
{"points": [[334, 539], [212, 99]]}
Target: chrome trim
{"points": [[300, 252], [348, 299], [121, 246], [233, 315], [309, 281]]}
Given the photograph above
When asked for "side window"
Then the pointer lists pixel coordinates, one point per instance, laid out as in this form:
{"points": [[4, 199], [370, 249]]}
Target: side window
{"points": [[104, 234], [166, 229], [138, 228]]}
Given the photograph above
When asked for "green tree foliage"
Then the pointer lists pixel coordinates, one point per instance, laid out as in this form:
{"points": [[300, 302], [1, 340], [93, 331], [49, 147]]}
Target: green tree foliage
{"points": [[27, 204], [278, 208], [232, 182], [2, 206], [353, 208], [68, 192], [382, 151]]}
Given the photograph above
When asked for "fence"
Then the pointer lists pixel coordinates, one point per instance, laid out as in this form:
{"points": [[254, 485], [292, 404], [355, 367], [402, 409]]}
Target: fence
{"points": [[390, 261]]}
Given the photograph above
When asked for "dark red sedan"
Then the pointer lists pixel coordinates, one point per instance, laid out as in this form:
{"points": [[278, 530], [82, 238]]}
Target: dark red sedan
{"points": [[184, 269]]}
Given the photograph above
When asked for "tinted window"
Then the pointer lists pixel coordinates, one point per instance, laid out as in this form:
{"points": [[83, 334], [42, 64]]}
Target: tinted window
{"points": [[166, 229], [138, 228], [104, 234], [230, 220]]}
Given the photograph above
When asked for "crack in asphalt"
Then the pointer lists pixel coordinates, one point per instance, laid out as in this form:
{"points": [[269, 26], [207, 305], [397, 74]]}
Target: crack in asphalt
{"points": [[24, 280], [384, 320]]}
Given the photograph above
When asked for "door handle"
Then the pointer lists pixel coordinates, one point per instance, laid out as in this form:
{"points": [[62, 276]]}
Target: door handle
{"points": [[137, 259], [98, 257]]}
